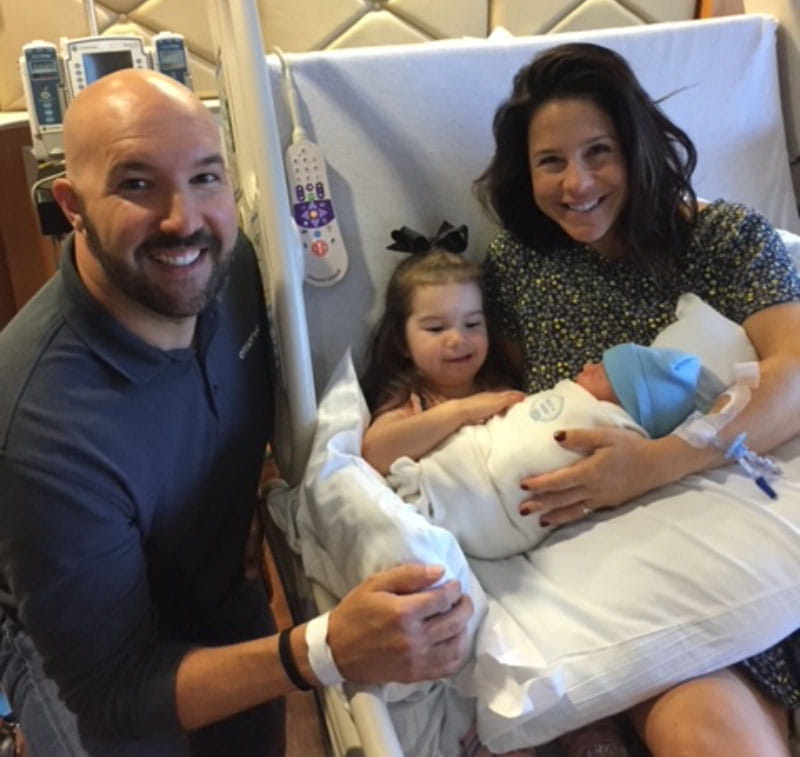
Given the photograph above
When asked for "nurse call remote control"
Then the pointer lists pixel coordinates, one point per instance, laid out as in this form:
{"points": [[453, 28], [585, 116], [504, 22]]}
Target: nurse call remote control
{"points": [[325, 258]]}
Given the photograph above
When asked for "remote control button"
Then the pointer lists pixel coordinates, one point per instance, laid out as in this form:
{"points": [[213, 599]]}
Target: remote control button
{"points": [[319, 249], [313, 214]]}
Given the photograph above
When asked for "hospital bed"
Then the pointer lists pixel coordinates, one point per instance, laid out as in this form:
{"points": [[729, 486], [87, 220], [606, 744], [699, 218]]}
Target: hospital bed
{"points": [[405, 130]]}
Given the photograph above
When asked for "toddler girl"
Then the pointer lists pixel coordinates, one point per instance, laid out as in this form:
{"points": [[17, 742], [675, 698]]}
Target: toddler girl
{"points": [[431, 370]]}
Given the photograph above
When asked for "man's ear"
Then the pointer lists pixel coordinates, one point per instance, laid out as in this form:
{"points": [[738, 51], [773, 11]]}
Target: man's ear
{"points": [[69, 202]]}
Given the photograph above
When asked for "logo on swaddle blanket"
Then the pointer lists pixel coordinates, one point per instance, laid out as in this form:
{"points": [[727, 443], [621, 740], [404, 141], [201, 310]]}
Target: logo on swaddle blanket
{"points": [[547, 409]]}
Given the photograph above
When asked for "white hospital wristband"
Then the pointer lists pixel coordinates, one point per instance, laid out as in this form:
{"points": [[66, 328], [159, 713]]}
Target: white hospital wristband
{"points": [[320, 657]]}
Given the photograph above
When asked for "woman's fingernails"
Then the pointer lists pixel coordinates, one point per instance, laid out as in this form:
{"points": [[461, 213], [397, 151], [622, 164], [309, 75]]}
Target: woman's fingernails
{"points": [[525, 511], [560, 436], [543, 522]]}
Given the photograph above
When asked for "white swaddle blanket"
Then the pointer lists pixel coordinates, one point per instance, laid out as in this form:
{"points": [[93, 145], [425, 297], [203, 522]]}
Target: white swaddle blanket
{"points": [[470, 484]]}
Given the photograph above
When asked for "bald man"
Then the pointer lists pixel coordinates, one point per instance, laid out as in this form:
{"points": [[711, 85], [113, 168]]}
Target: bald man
{"points": [[135, 407]]}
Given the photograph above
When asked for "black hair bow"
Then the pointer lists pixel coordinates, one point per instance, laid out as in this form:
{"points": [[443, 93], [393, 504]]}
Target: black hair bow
{"points": [[448, 237]]}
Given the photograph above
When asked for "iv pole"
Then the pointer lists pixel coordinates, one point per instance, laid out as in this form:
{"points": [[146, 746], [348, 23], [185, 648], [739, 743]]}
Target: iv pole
{"points": [[91, 17]]}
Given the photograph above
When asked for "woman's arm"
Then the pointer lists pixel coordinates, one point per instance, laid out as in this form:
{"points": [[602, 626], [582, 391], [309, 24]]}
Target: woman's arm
{"points": [[402, 432], [621, 466], [773, 414]]}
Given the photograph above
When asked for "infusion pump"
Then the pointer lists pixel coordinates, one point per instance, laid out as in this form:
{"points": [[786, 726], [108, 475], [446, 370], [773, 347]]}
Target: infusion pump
{"points": [[52, 76]]}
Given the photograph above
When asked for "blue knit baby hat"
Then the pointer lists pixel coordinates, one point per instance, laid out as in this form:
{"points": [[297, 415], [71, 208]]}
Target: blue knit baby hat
{"points": [[656, 386]]}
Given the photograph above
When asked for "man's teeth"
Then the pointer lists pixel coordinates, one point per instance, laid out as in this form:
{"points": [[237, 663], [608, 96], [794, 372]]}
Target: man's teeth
{"points": [[591, 205], [184, 258]]}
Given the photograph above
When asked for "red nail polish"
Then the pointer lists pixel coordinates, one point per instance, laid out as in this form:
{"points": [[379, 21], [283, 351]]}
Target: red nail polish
{"points": [[560, 436], [543, 522]]}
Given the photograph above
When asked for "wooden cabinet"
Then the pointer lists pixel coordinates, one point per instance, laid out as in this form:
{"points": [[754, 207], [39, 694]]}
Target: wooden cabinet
{"points": [[27, 259]]}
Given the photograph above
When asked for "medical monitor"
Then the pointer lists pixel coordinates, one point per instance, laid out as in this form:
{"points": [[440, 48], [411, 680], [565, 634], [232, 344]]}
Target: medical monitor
{"points": [[88, 59]]}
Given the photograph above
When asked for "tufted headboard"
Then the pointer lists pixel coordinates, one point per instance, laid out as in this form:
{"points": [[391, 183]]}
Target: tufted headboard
{"points": [[300, 25]]}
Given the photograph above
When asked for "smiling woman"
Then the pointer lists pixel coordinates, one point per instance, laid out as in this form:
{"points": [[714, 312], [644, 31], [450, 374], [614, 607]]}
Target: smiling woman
{"points": [[579, 131], [603, 233], [578, 171]]}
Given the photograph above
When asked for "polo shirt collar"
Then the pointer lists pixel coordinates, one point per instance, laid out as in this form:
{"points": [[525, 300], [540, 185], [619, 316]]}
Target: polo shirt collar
{"points": [[110, 341]]}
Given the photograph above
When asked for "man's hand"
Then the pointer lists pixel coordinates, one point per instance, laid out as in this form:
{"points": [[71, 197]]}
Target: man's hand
{"points": [[394, 627]]}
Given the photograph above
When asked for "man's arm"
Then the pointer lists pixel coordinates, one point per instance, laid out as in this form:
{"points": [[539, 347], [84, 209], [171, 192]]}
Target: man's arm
{"points": [[392, 627]]}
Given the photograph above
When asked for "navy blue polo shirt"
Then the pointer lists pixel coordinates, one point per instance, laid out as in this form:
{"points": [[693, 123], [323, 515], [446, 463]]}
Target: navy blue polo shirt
{"points": [[128, 477]]}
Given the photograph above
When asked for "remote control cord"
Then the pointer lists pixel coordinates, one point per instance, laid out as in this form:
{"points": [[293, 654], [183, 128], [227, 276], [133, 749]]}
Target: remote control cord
{"points": [[290, 93]]}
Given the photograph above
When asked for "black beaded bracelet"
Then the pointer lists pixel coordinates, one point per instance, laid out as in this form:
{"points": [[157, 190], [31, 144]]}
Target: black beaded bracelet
{"points": [[287, 659]]}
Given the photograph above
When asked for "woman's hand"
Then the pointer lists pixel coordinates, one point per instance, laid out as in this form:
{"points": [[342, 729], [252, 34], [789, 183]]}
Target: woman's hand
{"points": [[620, 464]]}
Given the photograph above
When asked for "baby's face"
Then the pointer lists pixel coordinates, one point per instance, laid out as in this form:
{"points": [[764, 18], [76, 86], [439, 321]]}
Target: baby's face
{"points": [[594, 379]]}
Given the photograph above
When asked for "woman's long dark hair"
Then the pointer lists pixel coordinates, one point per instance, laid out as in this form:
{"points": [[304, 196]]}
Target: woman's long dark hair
{"points": [[391, 377], [654, 225]]}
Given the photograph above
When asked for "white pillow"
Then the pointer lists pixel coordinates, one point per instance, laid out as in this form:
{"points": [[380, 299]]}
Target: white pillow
{"points": [[717, 341], [616, 608], [350, 523], [792, 242]]}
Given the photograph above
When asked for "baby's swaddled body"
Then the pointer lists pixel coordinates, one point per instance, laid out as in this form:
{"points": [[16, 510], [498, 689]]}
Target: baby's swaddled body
{"points": [[470, 484]]}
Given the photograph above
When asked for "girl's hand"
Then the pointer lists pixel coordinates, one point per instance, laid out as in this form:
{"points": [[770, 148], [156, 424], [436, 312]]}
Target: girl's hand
{"points": [[620, 465], [401, 432], [478, 408]]}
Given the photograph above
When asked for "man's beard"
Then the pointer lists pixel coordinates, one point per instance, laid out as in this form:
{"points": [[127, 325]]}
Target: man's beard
{"points": [[138, 287]]}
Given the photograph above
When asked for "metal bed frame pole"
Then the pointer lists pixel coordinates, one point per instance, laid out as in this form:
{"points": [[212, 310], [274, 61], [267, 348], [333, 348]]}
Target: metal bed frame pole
{"points": [[264, 199], [267, 218]]}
